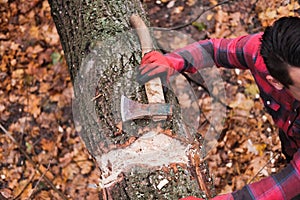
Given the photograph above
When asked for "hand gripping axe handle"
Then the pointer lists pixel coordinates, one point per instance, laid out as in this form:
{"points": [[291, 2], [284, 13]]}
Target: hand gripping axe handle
{"points": [[153, 87]]}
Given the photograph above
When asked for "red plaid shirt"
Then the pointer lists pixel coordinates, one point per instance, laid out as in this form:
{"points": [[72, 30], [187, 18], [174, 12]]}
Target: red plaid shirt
{"points": [[243, 53]]}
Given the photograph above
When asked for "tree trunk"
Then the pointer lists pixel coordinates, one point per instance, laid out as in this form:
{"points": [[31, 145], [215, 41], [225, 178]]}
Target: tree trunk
{"points": [[102, 54]]}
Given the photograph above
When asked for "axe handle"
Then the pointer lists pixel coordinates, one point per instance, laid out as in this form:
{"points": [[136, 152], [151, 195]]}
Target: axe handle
{"points": [[143, 33], [153, 87]]}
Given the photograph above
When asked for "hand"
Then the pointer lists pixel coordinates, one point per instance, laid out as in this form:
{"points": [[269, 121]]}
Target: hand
{"points": [[154, 64]]}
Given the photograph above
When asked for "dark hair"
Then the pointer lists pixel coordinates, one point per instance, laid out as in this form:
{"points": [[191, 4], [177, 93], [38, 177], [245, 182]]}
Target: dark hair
{"points": [[280, 48]]}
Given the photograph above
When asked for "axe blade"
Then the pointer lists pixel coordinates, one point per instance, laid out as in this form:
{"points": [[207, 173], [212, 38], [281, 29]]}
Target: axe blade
{"points": [[131, 110]]}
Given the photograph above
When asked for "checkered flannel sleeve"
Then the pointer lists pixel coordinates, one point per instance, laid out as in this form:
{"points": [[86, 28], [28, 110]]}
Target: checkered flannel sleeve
{"points": [[242, 53]]}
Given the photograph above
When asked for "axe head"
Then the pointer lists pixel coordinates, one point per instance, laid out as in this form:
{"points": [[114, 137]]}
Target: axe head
{"points": [[131, 110]]}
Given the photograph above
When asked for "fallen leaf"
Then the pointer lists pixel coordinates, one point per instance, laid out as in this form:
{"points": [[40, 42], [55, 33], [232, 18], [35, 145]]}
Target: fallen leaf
{"points": [[47, 145], [33, 106], [24, 188], [70, 171], [85, 166]]}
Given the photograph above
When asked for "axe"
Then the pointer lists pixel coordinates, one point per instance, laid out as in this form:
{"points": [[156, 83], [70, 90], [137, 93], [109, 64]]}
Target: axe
{"points": [[131, 110], [156, 108]]}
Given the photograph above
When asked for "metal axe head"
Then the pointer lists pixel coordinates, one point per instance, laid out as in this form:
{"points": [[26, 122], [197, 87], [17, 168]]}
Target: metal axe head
{"points": [[134, 110]]}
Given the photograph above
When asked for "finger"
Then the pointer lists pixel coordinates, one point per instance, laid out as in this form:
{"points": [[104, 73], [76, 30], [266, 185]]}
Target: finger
{"points": [[142, 79], [165, 80], [146, 66], [150, 54], [142, 76], [151, 57], [151, 68], [158, 69]]}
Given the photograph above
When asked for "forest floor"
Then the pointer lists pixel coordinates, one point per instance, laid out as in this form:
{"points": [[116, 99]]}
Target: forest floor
{"points": [[43, 157]]}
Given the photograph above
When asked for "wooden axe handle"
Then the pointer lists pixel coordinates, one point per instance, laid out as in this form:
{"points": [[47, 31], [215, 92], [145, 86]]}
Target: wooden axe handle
{"points": [[153, 87]]}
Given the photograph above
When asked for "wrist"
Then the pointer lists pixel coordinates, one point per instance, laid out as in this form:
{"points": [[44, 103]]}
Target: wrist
{"points": [[179, 64], [176, 61]]}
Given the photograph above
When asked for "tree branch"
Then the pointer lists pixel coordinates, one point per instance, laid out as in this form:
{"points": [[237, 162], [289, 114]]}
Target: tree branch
{"points": [[195, 19]]}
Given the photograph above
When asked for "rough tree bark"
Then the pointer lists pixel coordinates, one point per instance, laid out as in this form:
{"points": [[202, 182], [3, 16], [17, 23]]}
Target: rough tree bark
{"points": [[102, 54]]}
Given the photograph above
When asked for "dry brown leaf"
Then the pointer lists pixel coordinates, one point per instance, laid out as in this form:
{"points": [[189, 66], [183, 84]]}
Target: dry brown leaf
{"points": [[64, 161], [43, 195], [227, 189], [70, 171], [66, 97], [46, 172], [33, 106], [18, 74], [47, 145], [240, 181], [45, 119], [191, 2], [260, 148], [13, 98], [35, 49], [55, 97], [241, 102], [34, 32], [6, 193], [24, 188], [50, 35], [44, 87], [85, 166], [256, 164]]}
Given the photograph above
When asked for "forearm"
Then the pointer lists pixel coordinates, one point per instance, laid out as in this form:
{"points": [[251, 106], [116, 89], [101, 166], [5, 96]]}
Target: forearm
{"points": [[192, 57], [239, 53]]}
